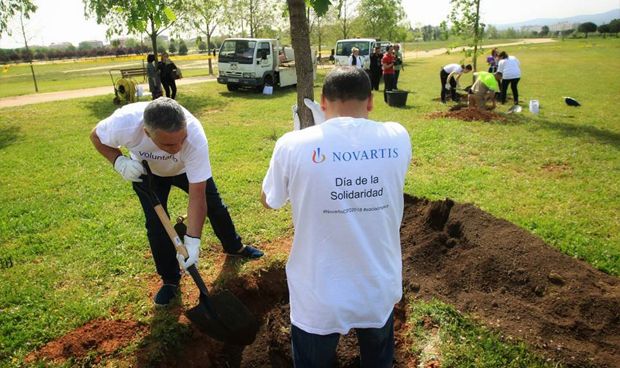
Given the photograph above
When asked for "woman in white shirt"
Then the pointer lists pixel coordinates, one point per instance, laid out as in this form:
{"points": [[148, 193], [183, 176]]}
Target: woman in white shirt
{"points": [[355, 59], [510, 68]]}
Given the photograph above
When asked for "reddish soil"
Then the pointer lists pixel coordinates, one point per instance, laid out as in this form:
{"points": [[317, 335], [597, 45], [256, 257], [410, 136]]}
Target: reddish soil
{"points": [[507, 278], [461, 112]]}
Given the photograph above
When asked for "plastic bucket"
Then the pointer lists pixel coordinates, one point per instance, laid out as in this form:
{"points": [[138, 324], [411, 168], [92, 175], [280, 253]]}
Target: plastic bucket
{"points": [[397, 98], [268, 90], [534, 106]]}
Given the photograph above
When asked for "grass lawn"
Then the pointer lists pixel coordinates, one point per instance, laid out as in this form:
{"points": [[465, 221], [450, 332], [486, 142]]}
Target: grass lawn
{"points": [[74, 229]]}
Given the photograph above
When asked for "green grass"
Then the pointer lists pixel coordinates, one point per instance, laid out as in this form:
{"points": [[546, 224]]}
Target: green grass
{"points": [[74, 229], [76, 74]]}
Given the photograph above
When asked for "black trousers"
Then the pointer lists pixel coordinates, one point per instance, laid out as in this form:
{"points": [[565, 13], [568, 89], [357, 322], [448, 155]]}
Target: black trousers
{"points": [[375, 79], [443, 76], [513, 87], [396, 75], [170, 86], [164, 253], [390, 84]]}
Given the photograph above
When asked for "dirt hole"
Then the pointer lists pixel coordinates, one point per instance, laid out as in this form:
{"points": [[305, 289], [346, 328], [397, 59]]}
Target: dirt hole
{"points": [[461, 112], [507, 278]]}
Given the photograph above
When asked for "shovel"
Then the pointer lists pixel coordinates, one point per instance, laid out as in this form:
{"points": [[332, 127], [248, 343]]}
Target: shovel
{"points": [[221, 316]]}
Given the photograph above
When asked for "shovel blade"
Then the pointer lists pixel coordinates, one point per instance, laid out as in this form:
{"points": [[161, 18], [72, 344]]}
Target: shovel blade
{"points": [[223, 317]]}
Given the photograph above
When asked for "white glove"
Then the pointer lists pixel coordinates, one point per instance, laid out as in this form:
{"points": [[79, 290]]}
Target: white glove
{"points": [[448, 86], [317, 114], [192, 245], [129, 169]]}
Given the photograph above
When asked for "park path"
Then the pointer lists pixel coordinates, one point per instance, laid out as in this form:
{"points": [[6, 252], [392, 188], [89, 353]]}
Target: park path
{"points": [[85, 92], [98, 91]]}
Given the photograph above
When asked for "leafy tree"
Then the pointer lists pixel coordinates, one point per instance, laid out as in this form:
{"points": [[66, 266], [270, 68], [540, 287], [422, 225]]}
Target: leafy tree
{"points": [[11, 8], [202, 47], [603, 29], [544, 31], [614, 26], [586, 28], [172, 46], [382, 17], [492, 32], [346, 13], [206, 16], [182, 48], [465, 18], [146, 16]]}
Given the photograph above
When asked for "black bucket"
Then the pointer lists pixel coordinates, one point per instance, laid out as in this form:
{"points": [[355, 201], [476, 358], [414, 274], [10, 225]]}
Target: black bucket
{"points": [[397, 98]]}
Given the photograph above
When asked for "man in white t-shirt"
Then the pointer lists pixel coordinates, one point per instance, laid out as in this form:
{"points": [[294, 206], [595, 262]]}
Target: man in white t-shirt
{"points": [[344, 179], [174, 144], [449, 76]]}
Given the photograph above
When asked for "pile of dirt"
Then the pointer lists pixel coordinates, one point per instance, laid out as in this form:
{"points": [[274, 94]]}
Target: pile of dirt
{"points": [[509, 279], [512, 281], [461, 112], [99, 338]]}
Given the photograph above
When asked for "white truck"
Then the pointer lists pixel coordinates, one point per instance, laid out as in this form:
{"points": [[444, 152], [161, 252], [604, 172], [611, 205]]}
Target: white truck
{"points": [[344, 47], [255, 63]]}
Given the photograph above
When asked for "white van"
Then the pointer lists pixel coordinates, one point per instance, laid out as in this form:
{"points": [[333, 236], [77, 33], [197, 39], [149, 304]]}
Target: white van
{"points": [[343, 50]]}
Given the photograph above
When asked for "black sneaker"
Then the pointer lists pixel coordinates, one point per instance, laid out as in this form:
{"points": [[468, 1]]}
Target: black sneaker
{"points": [[248, 252], [166, 294]]}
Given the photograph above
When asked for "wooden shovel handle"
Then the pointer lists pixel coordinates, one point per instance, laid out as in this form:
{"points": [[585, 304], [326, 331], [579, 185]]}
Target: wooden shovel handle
{"points": [[165, 221]]}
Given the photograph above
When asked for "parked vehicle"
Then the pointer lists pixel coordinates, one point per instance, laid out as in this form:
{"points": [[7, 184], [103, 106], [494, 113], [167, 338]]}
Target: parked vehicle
{"points": [[343, 50], [255, 63]]}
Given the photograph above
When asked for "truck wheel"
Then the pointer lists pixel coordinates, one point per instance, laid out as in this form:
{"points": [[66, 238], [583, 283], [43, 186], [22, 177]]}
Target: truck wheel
{"points": [[232, 87]]}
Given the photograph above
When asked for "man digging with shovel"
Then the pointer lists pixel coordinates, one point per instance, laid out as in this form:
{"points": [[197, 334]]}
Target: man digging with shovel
{"points": [[345, 181], [175, 146]]}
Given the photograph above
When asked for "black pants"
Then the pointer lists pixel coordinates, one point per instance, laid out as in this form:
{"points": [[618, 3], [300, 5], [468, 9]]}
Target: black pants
{"points": [[443, 76], [170, 85], [513, 87], [375, 79], [162, 248], [396, 75], [390, 84]]}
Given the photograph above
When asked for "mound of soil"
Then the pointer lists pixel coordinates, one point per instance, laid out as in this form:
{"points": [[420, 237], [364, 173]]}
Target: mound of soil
{"points": [[461, 112], [512, 281], [98, 337], [509, 279]]}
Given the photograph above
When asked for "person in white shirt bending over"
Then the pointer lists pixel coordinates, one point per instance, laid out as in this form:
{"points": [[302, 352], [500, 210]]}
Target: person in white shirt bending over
{"points": [[355, 59], [175, 146], [449, 76], [510, 67], [344, 179]]}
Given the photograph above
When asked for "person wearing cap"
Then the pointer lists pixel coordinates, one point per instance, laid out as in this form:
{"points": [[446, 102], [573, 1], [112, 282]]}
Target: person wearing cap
{"points": [[483, 89], [449, 76]]}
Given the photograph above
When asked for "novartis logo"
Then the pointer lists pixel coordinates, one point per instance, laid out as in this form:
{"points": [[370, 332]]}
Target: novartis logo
{"points": [[317, 157]]}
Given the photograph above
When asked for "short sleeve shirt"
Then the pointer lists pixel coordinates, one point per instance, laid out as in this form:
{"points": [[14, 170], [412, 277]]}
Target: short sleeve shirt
{"points": [[344, 179], [388, 59], [453, 68], [125, 128]]}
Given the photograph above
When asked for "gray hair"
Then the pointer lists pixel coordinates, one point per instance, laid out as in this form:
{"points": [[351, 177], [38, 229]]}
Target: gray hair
{"points": [[165, 114]]}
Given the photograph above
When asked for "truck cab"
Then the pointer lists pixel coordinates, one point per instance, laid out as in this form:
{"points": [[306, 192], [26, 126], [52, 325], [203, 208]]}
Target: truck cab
{"points": [[254, 63]]}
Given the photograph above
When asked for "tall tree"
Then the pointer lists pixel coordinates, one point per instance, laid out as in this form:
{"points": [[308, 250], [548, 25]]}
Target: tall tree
{"points": [[382, 17], [206, 16], [465, 18], [11, 8], [346, 13], [586, 28], [145, 16]]}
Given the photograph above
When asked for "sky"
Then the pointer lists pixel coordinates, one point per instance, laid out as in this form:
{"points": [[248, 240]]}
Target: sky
{"points": [[63, 20]]}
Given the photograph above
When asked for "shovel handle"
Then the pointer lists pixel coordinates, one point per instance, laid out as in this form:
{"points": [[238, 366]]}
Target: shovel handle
{"points": [[165, 221]]}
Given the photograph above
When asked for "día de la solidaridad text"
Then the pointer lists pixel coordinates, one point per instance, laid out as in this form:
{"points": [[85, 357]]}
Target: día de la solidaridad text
{"points": [[337, 195]]}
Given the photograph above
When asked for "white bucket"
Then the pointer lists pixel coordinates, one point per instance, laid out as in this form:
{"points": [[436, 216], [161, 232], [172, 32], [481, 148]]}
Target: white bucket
{"points": [[534, 106], [268, 90]]}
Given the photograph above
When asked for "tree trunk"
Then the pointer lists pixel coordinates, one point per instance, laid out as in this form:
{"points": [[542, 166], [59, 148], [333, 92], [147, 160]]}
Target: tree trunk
{"points": [[34, 78], [209, 45], [153, 36], [300, 39], [476, 37]]}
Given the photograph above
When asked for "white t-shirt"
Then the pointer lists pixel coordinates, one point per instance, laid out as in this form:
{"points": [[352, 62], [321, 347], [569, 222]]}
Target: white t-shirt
{"points": [[510, 68], [345, 182], [453, 68], [125, 128]]}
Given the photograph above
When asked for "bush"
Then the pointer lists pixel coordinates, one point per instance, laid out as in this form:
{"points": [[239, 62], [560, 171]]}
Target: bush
{"points": [[182, 48]]}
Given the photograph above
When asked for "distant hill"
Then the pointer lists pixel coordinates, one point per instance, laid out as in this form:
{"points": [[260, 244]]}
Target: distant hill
{"points": [[599, 19]]}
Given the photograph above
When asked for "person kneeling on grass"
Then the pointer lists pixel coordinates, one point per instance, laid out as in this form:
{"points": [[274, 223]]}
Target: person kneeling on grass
{"points": [[174, 144], [483, 90], [344, 178]]}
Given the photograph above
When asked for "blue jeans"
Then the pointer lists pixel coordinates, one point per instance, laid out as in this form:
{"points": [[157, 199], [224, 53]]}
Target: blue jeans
{"points": [[376, 347], [162, 248]]}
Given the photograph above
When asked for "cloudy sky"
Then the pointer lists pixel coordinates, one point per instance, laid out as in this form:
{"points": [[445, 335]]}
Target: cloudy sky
{"points": [[63, 20]]}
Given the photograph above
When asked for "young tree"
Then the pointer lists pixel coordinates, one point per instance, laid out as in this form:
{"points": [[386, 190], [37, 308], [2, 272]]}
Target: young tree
{"points": [[465, 18], [586, 28], [182, 48], [381, 17], [11, 8], [22, 15], [206, 16], [345, 14], [146, 16]]}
